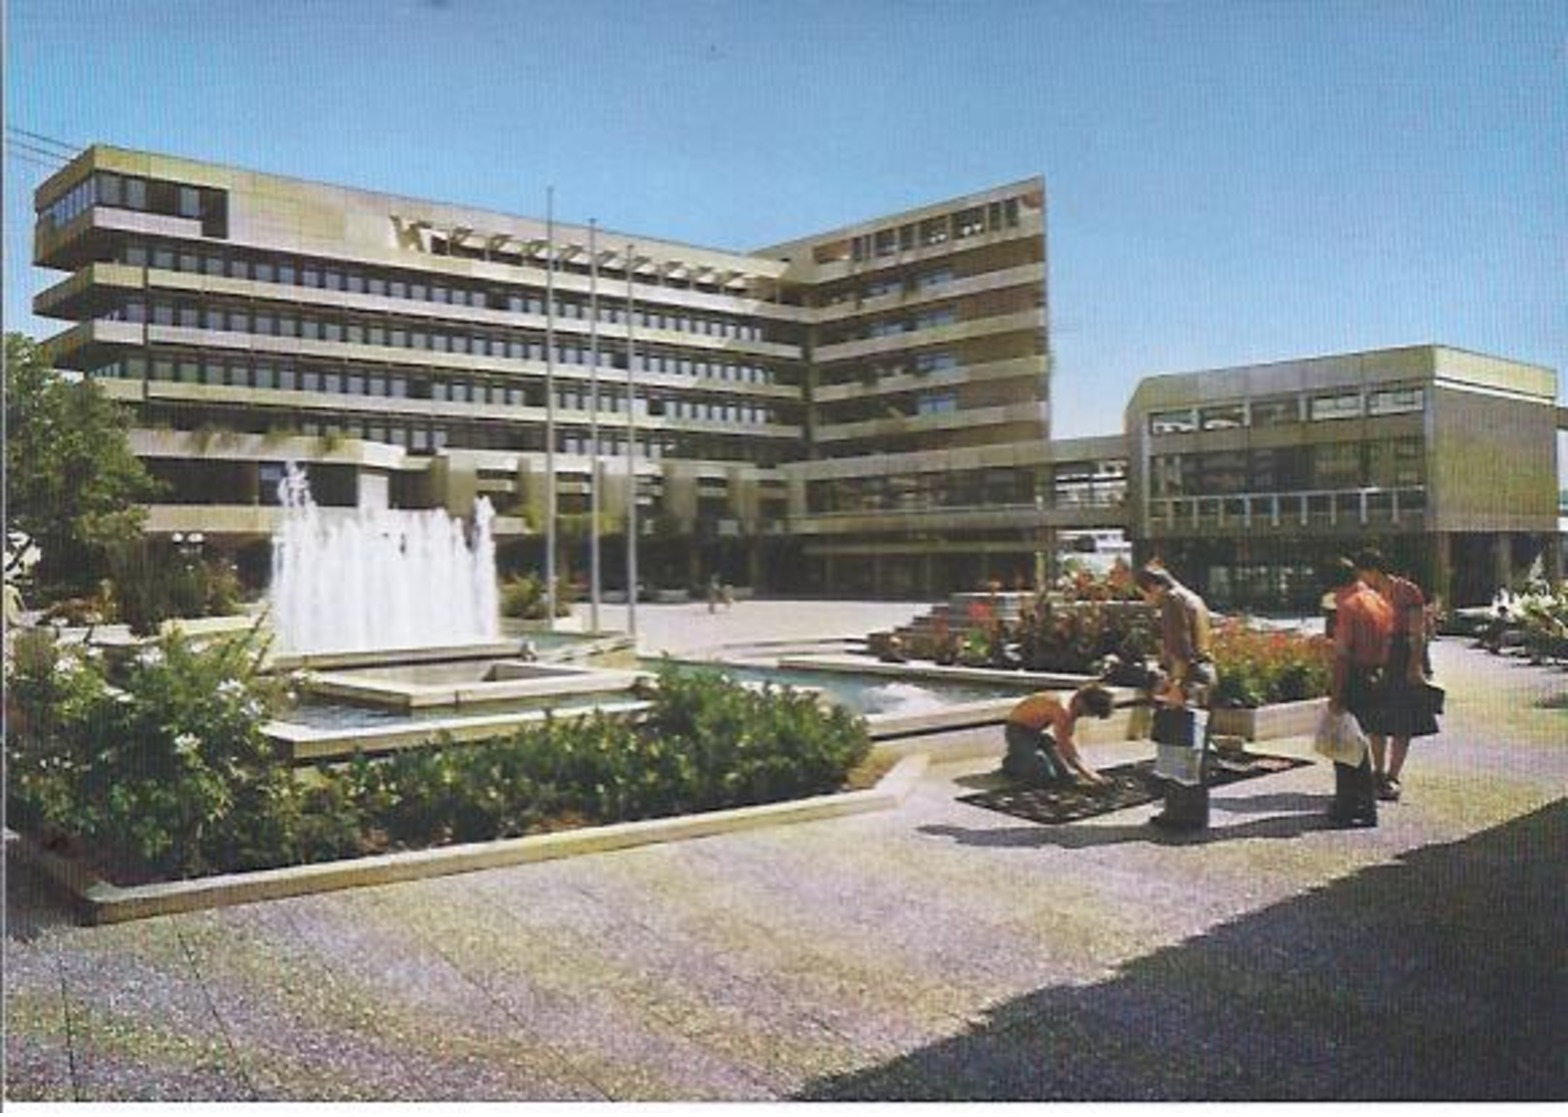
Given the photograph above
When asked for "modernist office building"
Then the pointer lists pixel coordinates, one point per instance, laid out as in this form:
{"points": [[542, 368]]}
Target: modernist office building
{"points": [[860, 412], [402, 350]]}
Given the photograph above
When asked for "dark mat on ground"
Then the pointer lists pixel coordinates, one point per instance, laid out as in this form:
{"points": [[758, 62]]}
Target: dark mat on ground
{"points": [[1131, 785]]}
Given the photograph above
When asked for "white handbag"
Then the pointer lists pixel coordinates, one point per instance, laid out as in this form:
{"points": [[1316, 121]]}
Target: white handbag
{"points": [[1339, 737]]}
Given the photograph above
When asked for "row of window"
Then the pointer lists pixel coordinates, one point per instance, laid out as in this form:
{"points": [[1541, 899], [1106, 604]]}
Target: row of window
{"points": [[397, 334], [422, 436], [921, 283], [286, 376], [1392, 463], [1064, 486], [1286, 410], [926, 320], [134, 192], [906, 237], [149, 195], [872, 373], [418, 287]]}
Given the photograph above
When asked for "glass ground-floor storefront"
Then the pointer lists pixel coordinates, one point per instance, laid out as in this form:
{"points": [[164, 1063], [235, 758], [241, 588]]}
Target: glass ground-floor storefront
{"points": [[1285, 574]]}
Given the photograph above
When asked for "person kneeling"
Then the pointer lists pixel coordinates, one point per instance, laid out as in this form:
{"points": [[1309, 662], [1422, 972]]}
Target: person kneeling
{"points": [[1040, 744]]}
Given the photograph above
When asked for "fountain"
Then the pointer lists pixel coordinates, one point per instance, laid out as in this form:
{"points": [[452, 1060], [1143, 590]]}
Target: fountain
{"points": [[377, 580]]}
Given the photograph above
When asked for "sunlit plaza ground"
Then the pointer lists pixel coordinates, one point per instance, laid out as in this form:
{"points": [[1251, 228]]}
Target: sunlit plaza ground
{"points": [[932, 951]]}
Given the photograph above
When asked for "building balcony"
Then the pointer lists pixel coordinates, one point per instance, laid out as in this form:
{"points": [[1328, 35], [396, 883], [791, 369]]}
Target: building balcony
{"points": [[83, 294], [1030, 412], [1031, 320], [1015, 368], [943, 520], [251, 522], [221, 445], [575, 328], [1030, 224], [90, 338], [1000, 280]]}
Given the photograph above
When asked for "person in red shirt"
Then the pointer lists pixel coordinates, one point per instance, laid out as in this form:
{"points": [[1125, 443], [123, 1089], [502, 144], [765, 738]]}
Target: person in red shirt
{"points": [[1362, 629], [1405, 711], [1040, 744]]}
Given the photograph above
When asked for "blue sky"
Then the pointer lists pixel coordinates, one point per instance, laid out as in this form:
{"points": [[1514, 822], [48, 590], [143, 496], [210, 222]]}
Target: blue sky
{"points": [[1228, 182]]}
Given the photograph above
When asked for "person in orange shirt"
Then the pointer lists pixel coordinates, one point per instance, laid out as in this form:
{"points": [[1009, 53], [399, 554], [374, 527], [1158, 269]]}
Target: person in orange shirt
{"points": [[1362, 629], [1405, 711], [1040, 744]]}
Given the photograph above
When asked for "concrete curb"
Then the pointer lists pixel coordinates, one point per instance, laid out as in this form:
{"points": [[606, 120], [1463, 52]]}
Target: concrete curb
{"points": [[103, 902]]}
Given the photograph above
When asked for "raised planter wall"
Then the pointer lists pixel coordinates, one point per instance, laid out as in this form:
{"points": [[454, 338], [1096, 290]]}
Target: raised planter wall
{"points": [[1283, 719]]}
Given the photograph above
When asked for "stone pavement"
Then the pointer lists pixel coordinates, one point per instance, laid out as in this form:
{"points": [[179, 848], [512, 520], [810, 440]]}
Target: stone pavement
{"points": [[937, 951]]}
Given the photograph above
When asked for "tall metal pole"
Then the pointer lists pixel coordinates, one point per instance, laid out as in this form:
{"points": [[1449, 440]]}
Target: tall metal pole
{"points": [[549, 405], [593, 421], [631, 448]]}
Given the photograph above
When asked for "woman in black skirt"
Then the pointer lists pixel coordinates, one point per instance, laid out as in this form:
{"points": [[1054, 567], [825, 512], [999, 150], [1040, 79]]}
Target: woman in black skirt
{"points": [[1405, 706]]}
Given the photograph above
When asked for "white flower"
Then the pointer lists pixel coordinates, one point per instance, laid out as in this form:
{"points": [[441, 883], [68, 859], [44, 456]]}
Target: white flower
{"points": [[186, 744], [231, 688], [252, 708], [68, 665], [150, 657]]}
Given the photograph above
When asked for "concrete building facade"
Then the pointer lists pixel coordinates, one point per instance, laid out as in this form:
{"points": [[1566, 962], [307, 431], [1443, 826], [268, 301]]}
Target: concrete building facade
{"points": [[863, 412], [412, 353], [1251, 478]]}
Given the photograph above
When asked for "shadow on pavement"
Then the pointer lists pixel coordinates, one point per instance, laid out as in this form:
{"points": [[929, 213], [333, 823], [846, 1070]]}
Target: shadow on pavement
{"points": [[1442, 975], [33, 902]]}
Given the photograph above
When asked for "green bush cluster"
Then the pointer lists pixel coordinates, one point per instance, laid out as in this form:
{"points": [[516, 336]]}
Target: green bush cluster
{"points": [[168, 774], [706, 744], [523, 596], [162, 771]]}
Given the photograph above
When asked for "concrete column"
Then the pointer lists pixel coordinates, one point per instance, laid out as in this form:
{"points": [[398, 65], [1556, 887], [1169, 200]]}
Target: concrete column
{"points": [[1553, 558], [1443, 567], [1504, 551]]}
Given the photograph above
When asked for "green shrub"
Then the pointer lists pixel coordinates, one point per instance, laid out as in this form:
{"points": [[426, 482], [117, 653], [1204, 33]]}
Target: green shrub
{"points": [[523, 597], [167, 773]]}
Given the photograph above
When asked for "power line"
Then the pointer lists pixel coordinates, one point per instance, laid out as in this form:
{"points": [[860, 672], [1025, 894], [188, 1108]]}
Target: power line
{"points": [[33, 149], [39, 136], [50, 167]]}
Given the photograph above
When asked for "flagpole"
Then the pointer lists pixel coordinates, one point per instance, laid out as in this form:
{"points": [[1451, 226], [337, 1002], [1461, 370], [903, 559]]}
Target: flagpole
{"points": [[593, 421], [549, 407], [631, 449]]}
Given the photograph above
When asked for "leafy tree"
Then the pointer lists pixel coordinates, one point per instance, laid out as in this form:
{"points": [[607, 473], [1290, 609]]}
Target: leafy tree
{"points": [[71, 478]]}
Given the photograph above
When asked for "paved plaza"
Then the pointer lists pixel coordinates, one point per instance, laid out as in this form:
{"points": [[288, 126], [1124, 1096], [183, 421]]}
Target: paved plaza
{"points": [[933, 951]]}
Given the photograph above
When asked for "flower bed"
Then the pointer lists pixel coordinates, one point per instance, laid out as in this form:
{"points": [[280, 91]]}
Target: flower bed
{"points": [[1261, 667], [158, 769]]}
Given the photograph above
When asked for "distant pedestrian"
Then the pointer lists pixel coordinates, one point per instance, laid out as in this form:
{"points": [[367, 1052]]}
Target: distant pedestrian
{"points": [[1406, 710], [713, 593], [1363, 625]]}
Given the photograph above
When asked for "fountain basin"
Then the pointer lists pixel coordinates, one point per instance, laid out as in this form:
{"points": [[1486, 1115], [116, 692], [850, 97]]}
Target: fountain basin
{"points": [[464, 682], [307, 743]]}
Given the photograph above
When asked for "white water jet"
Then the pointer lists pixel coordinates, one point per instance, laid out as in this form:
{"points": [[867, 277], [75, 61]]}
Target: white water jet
{"points": [[902, 699], [374, 580]]}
